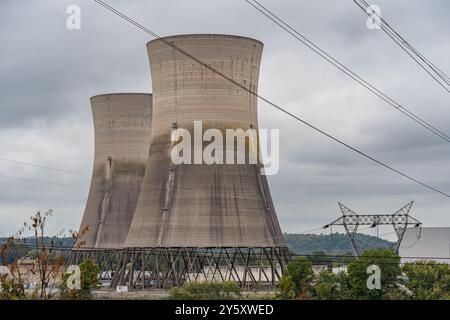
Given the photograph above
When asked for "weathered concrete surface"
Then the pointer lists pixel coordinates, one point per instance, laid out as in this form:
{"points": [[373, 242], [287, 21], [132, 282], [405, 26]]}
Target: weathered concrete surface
{"points": [[122, 124], [203, 205]]}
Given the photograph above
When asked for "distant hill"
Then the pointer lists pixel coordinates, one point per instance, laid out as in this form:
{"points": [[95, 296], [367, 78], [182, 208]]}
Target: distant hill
{"points": [[329, 244], [297, 243], [26, 247], [57, 242]]}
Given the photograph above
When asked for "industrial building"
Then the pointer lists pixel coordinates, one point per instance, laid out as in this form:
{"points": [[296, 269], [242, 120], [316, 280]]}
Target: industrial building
{"points": [[426, 244], [122, 124]]}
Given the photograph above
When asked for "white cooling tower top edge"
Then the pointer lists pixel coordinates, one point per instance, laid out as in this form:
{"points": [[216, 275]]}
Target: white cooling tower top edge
{"points": [[120, 94], [205, 35]]}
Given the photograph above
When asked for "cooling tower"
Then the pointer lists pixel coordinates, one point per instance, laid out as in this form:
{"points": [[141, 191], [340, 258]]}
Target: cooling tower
{"points": [[201, 205], [122, 124]]}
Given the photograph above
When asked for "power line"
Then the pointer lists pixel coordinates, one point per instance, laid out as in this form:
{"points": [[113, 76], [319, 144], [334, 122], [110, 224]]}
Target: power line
{"points": [[419, 58], [322, 228], [311, 230], [208, 67], [308, 43], [43, 167], [42, 181], [385, 234]]}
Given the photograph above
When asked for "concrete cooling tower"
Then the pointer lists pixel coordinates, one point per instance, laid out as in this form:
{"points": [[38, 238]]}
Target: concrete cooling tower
{"points": [[122, 124], [199, 205]]}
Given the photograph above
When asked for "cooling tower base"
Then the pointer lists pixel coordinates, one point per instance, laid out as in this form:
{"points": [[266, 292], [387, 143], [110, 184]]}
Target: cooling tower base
{"points": [[250, 267]]}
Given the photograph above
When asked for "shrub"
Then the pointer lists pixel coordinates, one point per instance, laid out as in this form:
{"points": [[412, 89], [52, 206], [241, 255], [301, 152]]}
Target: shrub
{"points": [[228, 290], [296, 280], [389, 263], [11, 288], [89, 280], [426, 280]]}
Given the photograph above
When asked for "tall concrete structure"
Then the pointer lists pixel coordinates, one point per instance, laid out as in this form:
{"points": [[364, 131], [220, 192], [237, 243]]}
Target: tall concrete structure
{"points": [[122, 125], [190, 217], [201, 205]]}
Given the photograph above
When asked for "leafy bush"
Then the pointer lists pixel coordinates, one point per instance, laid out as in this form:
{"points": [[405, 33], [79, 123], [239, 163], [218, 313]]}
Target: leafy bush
{"points": [[389, 263], [297, 278], [228, 290], [328, 286], [89, 280], [286, 288], [11, 288], [426, 280]]}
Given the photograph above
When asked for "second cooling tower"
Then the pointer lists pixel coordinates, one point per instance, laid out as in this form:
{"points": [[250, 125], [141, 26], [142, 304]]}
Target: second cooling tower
{"points": [[201, 205], [122, 124]]}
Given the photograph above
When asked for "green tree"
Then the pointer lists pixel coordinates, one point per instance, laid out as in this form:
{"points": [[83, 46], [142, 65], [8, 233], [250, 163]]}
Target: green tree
{"points": [[228, 290], [47, 262], [389, 263], [296, 279], [328, 286], [286, 288], [426, 280], [12, 288], [89, 280]]}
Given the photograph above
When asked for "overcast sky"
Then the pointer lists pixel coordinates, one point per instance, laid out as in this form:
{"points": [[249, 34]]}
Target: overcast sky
{"points": [[48, 73]]}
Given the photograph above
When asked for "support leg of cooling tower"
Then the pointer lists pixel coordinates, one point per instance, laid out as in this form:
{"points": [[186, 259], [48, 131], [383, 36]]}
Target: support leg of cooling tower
{"points": [[119, 272], [167, 267], [72, 260], [131, 271]]}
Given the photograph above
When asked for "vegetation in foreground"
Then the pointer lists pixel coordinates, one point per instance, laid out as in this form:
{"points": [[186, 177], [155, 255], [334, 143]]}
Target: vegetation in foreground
{"points": [[227, 290], [422, 280], [41, 273], [89, 280]]}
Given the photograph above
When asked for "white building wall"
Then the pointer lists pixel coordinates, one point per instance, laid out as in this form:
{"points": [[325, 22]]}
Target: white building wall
{"points": [[428, 243]]}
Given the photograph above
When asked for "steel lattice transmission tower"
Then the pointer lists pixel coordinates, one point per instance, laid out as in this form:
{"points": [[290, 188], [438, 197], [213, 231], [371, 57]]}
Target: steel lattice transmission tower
{"points": [[400, 220]]}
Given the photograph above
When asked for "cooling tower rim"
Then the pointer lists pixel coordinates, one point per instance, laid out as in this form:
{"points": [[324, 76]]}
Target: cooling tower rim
{"points": [[200, 35], [120, 94]]}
